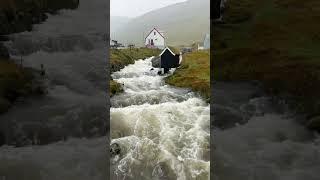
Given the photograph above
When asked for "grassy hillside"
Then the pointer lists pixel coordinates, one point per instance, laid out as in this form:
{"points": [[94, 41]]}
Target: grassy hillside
{"points": [[14, 82], [183, 23], [119, 58], [193, 73], [274, 41]]}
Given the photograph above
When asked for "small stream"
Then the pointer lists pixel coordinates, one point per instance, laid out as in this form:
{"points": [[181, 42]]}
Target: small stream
{"points": [[163, 132]]}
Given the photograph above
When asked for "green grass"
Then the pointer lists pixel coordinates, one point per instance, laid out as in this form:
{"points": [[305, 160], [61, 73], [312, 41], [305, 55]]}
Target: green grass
{"points": [[274, 41], [115, 88], [14, 82], [193, 73], [122, 57]]}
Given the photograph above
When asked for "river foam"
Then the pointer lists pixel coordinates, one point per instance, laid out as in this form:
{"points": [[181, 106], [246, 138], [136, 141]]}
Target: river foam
{"points": [[163, 131]]}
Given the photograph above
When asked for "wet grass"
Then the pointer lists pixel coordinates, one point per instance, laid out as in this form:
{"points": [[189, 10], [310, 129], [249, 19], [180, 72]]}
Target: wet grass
{"points": [[14, 82], [122, 57], [276, 42], [115, 88], [193, 73]]}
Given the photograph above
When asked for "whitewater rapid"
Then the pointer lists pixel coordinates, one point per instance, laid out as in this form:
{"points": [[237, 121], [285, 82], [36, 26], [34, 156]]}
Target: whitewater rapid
{"points": [[258, 138], [163, 131]]}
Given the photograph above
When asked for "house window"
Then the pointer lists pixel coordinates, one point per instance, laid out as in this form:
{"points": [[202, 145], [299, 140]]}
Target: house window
{"points": [[154, 33]]}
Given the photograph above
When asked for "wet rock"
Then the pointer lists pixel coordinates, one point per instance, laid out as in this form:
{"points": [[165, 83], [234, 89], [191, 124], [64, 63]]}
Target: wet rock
{"points": [[314, 123], [156, 62], [115, 149]]}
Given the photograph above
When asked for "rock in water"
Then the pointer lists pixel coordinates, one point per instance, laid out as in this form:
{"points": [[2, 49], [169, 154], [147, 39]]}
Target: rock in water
{"points": [[115, 149], [314, 123], [156, 62]]}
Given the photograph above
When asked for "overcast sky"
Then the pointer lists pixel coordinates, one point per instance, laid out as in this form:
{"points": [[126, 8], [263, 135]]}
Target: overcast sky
{"points": [[134, 8]]}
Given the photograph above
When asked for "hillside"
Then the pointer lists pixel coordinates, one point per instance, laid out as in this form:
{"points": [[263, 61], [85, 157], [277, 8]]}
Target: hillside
{"points": [[116, 23], [275, 42], [183, 23]]}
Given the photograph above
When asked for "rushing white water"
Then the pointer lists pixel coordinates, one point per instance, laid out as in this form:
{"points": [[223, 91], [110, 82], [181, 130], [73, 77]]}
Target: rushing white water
{"points": [[269, 145], [72, 49], [163, 132]]}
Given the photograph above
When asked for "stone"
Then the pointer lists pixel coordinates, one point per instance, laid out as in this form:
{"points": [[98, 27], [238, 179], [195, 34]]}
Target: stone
{"points": [[314, 123], [115, 149]]}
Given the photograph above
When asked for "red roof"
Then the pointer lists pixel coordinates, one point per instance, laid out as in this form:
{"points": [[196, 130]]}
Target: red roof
{"points": [[157, 31]]}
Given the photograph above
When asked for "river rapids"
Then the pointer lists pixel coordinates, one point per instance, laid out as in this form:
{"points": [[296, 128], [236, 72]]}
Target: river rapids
{"points": [[163, 132]]}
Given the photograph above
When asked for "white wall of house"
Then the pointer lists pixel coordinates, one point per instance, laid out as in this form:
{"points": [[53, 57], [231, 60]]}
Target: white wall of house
{"points": [[206, 42], [157, 38]]}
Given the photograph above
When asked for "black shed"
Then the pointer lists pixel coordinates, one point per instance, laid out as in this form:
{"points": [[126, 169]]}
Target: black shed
{"points": [[168, 59]]}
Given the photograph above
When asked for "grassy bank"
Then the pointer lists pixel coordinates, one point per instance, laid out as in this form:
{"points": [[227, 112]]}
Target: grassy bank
{"points": [[14, 82], [119, 58], [276, 42], [193, 73]]}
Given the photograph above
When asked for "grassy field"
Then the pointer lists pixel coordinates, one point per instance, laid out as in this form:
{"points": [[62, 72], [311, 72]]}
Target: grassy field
{"points": [[14, 82], [274, 41], [193, 73], [119, 58]]}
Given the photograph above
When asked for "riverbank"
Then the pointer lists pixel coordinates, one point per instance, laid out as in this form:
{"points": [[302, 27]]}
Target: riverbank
{"points": [[272, 42], [18, 16], [119, 58], [16, 82], [193, 73]]}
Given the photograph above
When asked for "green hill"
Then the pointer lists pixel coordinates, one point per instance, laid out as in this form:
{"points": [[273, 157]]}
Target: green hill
{"points": [[183, 23], [274, 41]]}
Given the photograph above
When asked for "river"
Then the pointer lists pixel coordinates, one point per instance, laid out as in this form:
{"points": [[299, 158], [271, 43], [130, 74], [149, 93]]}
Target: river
{"points": [[163, 132], [257, 137], [70, 121]]}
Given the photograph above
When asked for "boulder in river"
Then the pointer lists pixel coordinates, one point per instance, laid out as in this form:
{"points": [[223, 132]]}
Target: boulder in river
{"points": [[314, 123], [115, 149], [156, 62]]}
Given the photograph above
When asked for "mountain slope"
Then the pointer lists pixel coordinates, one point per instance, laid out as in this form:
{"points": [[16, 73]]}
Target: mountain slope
{"points": [[116, 23], [183, 23]]}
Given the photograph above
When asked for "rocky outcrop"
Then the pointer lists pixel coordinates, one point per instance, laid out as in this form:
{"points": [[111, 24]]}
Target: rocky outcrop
{"points": [[156, 62]]}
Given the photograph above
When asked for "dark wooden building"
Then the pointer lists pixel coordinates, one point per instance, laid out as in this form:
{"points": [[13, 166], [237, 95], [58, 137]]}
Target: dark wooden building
{"points": [[169, 59]]}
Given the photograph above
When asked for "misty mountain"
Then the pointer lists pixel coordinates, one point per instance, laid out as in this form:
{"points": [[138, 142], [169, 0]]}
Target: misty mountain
{"points": [[183, 24], [116, 23]]}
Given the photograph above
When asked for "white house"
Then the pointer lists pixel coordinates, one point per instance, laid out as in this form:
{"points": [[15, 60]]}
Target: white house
{"points": [[155, 39], [205, 44]]}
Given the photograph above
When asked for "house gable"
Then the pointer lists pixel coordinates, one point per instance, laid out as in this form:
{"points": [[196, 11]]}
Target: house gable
{"points": [[154, 29], [167, 48]]}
